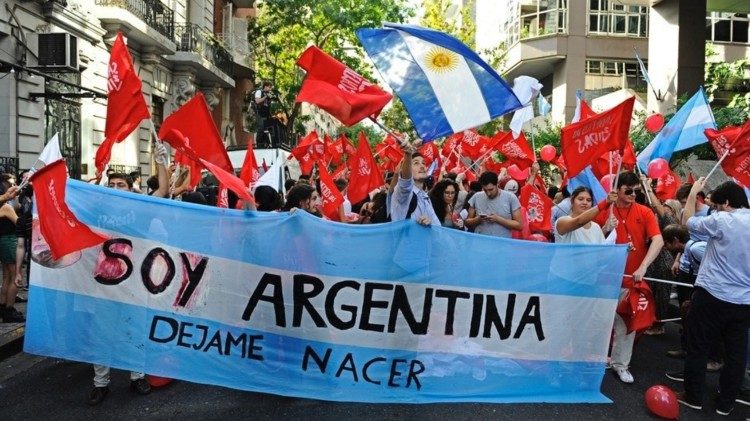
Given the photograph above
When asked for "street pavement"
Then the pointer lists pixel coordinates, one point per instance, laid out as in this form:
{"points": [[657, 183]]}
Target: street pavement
{"points": [[33, 388]]}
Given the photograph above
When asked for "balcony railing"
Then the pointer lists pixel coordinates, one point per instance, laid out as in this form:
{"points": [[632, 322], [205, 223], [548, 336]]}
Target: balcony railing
{"points": [[153, 12], [192, 38]]}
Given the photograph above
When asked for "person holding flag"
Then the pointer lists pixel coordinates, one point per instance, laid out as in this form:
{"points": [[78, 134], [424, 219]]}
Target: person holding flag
{"points": [[637, 227], [578, 228], [720, 305], [409, 199]]}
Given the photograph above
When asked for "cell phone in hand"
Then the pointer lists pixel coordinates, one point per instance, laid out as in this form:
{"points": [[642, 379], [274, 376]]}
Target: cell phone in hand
{"points": [[482, 215]]}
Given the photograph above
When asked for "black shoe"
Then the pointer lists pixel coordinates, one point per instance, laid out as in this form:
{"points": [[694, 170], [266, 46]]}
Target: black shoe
{"points": [[11, 315], [683, 400], [677, 376], [677, 353], [743, 397], [723, 409], [97, 395], [140, 386]]}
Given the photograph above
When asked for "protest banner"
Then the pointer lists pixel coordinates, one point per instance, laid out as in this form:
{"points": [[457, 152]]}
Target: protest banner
{"points": [[294, 305]]}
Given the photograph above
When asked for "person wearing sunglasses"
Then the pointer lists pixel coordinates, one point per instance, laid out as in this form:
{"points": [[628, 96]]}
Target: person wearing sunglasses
{"points": [[636, 226]]}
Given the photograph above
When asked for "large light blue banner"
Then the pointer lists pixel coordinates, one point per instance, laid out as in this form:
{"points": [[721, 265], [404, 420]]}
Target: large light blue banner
{"points": [[298, 306]]}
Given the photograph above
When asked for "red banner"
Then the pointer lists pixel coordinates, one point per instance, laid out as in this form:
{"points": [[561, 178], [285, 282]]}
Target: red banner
{"points": [[736, 140], [332, 198], [339, 90], [585, 141], [538, 208], [515, 150]]}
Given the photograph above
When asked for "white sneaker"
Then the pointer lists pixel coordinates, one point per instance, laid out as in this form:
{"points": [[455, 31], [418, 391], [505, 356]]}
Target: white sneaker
{"points": [[624, 375]]}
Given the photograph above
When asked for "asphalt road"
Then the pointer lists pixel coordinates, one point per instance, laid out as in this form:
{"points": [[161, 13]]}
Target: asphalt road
{"points": [[43, 388]]}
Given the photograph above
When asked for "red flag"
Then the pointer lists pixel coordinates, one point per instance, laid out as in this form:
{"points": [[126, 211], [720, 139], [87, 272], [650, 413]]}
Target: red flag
{"points": [[586, 111], [585, 141], [265, 166], [249, 173], [305, 152], [229, 181], [62, 231], [515, 150], [335, 150], [126, 107], [667, 185], [349, 149], [365, 175], [638, 310], [538, 208], [737, 141], [452, 146], [472, 143], [222, 199], [195, 123], [690, 178], [430, 152], [332, 197], [332, 86]]}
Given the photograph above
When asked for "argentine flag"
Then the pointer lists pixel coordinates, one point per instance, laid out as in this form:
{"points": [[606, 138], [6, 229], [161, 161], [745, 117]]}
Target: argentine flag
{"points": [[444, 85], [683, 131]]}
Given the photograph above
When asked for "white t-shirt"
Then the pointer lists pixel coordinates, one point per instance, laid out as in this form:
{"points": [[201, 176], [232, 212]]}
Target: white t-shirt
{"points": [[591, 235]]}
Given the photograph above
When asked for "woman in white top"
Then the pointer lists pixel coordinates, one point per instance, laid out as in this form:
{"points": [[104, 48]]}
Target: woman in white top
{"points": [[577, 227]]}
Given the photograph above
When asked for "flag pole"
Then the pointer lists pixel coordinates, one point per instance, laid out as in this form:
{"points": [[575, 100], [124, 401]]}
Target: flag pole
{"points": [[664, 281], [614, 186], [723, 157], [645, 187]]}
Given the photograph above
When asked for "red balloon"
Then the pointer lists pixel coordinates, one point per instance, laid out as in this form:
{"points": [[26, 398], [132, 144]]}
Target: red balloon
{"points": [[662, 401], [654, 123], [157, 382], [538, 237], [518, 174], [548, 153], [658, 167], [607, 182]]}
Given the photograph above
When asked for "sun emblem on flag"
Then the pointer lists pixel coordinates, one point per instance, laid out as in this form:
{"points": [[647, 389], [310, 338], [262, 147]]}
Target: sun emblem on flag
{"points": [[441, 60]]}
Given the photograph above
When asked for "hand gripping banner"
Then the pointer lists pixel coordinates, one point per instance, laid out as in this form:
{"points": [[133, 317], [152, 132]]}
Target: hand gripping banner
{"points": [[298, 306]]}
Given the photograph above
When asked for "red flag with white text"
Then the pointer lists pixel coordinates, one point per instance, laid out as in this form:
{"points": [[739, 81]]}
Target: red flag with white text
{"points": [[515, 150], [737, 141], [62, 231], [126, 107], [339, 90], [585, 141]]}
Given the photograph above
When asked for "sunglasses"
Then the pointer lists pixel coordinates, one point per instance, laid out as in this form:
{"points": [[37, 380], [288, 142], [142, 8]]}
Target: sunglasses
{"points": [[628, 192]]}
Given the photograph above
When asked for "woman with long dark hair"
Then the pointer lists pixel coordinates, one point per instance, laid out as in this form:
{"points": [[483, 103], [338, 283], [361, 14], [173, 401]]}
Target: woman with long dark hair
{"points": [[577, 227], [443, 197], [303, 196]]}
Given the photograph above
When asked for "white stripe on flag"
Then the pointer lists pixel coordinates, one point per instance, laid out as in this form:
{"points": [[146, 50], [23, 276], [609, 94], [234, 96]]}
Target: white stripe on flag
{"points": [[455, 87]]}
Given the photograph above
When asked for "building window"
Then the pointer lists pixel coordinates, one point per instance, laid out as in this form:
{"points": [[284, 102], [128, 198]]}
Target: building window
{"points": [[610, 18], [727, 27], [607, 76], [535, 18]]}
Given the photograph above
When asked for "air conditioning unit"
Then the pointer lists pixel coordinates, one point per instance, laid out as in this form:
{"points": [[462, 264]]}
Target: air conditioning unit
{"points": [[58, 51]]}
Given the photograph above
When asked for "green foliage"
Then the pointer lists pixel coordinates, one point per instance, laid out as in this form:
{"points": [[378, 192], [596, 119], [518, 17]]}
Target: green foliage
{"points": [[373, 135], [283, 29]]}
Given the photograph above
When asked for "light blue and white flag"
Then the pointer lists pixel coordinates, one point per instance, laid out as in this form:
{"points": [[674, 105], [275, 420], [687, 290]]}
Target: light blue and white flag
{"points": [[543, 106], [683, 131], [295, 305], [588, 179], [444, 85], [526, 88], [644, 72]]}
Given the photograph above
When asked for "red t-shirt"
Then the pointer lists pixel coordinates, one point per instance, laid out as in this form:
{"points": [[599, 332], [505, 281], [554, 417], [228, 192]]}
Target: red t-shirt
{"points": [[636, 224]]}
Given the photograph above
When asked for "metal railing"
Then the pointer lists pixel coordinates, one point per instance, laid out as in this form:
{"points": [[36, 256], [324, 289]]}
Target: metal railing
{"points": [[192, 38], [153, 12]]}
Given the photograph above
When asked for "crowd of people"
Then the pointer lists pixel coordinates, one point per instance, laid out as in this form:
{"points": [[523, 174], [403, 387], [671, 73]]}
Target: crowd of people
{"points": [[698, 238]]}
